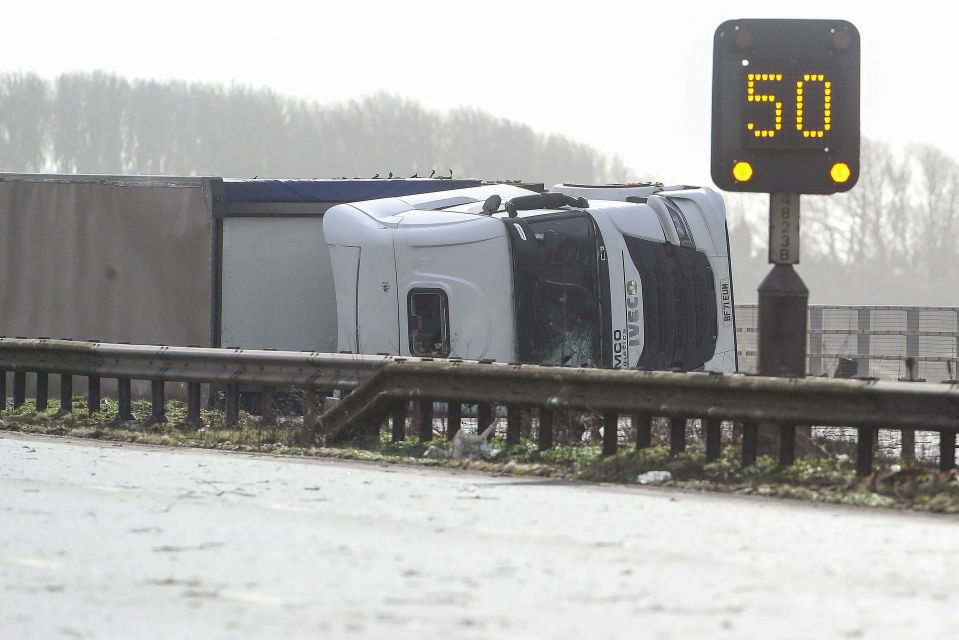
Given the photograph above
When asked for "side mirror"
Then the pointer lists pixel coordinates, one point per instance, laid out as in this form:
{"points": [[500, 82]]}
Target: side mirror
{"points": [[492, 204]]}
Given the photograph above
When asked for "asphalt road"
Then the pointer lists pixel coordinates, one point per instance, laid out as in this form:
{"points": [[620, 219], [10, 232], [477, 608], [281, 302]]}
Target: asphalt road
{"points": [[99, 540]]}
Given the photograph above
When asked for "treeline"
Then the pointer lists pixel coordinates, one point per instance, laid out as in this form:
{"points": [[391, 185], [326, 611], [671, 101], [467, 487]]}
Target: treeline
{"points": [[101, 123], [892, 239]]}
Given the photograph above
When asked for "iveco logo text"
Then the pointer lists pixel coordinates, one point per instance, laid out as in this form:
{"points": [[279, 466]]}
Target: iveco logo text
{"points": [[632, 312], [621, 342]]}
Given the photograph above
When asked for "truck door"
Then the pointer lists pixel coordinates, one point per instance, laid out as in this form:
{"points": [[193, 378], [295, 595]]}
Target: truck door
{"points": [[455, 291]]}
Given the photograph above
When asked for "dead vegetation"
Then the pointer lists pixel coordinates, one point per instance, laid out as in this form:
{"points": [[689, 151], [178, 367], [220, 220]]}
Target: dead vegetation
{"points": [[823, 473]]}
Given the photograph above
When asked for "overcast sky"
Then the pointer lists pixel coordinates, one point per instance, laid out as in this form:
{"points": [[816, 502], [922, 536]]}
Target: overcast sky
{"points": [[630, 78]]}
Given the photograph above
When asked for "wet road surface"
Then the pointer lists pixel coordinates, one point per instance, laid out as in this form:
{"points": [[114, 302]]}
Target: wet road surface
{"points": [[101, 540]]}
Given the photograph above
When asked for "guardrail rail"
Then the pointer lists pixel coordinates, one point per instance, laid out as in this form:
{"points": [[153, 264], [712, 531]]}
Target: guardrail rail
{"points": [[374, 387]]}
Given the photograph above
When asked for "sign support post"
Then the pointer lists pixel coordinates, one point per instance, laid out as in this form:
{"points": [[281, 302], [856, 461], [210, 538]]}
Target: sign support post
{"points": [[783, 297], [785, 122], [783, 307]]}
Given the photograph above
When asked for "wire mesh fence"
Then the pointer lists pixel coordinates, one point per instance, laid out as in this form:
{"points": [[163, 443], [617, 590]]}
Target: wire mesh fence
{"points": [[869, 341], [872, 341]]}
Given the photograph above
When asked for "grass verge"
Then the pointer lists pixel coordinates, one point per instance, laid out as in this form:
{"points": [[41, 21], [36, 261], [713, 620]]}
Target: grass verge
{"points": [[825, 480]]}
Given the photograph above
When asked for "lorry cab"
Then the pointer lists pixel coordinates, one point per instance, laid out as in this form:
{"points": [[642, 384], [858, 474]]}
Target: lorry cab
{"points": [[579, 276]]}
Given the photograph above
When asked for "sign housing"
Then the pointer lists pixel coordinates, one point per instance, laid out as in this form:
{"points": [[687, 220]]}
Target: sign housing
{"points": [[785, 106]]}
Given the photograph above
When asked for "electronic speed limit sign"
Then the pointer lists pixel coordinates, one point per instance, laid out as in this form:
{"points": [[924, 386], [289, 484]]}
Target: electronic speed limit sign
{"points": [[785, 106]]}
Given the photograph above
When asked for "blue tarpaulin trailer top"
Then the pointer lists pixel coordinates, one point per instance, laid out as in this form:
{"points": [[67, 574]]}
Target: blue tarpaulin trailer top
{"points": [[334, 190]]}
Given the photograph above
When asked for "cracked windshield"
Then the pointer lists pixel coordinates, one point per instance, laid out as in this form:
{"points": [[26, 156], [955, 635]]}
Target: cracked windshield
{"points": [[566, 292]]}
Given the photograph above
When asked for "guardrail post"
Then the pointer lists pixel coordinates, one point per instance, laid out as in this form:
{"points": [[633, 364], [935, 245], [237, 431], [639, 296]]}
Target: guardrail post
{"points": [[514, 416], [484, 417], [865, 441], [714, 432], [373, 428], [947, 449], [787, 444], [750, 443], [232, 404], [268, 408], [815, 341], [93, 394], [43, 390], [426, 420], [907, 437], [677, 436], [643, 425], [66, 393], [124, 399], [863, 343], [158, 401], [398, 420], [3, 390], [545, 435], [19, 388], [454, 418], [193, 403], [610, 433]]}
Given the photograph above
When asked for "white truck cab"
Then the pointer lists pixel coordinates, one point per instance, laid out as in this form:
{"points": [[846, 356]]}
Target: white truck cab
{"points": [[620, 276]]}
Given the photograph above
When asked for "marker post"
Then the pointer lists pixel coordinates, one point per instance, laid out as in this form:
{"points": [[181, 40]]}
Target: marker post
{"points": [[783, 297]]}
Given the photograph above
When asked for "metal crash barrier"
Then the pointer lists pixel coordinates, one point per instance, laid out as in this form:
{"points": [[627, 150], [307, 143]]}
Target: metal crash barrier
{"points": [[375, 387]]}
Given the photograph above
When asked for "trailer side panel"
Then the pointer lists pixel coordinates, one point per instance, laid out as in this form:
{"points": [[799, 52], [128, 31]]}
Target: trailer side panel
{"points": [[121, 259], [277, 285]]}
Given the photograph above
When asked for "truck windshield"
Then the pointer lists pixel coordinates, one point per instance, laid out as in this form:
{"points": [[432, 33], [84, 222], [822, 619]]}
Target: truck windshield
{"points": [[559, 304]]}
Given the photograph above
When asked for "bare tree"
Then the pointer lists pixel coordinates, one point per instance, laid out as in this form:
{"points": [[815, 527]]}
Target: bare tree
{"points": [[935, 220], [100, 123], [892, 239], [25, 105]]}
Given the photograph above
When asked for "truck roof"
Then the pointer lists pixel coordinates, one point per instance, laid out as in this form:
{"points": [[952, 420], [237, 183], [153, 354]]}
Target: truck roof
{"points": [[264, 190], [383, 210], [339, 190]]}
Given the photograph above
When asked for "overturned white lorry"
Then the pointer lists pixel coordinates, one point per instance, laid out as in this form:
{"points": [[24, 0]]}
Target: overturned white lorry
{"points": [[622, 276], [568, 277]]}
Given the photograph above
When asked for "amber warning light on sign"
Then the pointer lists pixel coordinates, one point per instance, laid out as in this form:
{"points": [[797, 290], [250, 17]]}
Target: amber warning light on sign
{"points": [[786, 106]]}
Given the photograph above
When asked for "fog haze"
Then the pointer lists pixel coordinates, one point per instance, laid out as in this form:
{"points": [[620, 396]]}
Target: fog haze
{"points": [[629, 78], [605, 91]]}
